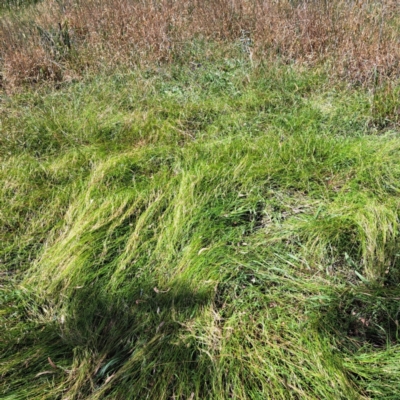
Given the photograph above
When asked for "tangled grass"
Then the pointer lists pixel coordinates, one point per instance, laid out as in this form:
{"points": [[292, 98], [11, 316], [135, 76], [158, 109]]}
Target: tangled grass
{"points": [[212, 231]]}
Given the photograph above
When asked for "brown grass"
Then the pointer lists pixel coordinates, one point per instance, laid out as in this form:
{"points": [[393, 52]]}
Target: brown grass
{"points": [[55, 41]]}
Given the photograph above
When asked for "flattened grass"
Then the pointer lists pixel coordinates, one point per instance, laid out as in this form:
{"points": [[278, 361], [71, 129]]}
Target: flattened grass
{"points": [[214, 232]]}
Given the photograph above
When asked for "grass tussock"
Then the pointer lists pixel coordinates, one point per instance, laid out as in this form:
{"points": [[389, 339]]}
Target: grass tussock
{"points": [[58, 40], [214, 232]]}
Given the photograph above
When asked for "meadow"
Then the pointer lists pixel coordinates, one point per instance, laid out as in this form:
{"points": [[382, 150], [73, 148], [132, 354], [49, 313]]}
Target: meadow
{"points": [[206, 208]]}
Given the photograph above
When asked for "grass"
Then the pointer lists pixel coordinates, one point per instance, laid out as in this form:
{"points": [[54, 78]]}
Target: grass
{"points": [[206, 230], [60, 41]]}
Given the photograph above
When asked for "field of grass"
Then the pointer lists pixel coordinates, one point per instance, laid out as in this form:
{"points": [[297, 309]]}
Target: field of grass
{"points": [[210, 231], [61, 40], [212, 227]]}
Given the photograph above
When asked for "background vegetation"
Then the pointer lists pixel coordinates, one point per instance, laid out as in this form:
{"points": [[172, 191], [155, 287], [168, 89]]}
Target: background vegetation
{"points": [[59, 40], [199, 200]]}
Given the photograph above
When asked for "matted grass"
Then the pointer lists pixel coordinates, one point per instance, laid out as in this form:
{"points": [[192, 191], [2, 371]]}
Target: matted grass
{"points": [[208, 231]]}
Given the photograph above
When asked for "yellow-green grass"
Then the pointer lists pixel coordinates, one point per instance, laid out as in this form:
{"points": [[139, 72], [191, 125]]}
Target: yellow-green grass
{"points": [[209, 231]]}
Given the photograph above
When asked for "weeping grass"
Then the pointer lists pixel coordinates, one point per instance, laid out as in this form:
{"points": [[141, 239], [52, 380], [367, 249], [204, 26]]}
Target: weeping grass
{"points": [[210, 232]]}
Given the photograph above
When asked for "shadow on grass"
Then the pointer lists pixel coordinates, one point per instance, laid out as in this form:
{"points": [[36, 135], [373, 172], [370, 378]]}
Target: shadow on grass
{"points": [[107, 345], [138, 341], [361, 317]]}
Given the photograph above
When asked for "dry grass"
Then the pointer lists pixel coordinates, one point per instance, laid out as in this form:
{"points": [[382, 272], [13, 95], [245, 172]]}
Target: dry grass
{"points": [[56, 40]]}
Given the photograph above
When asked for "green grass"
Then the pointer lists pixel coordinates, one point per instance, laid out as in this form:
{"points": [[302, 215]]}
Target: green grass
{"points": [[204, 231], [15, 4]]}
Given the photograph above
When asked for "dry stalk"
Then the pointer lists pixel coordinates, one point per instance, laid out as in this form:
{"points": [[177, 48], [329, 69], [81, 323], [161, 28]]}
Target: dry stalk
{"points": [[359, 39]]}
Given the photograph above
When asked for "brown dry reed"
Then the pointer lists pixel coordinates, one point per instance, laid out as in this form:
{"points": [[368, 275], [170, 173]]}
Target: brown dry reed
{"points": [[58, 40]]}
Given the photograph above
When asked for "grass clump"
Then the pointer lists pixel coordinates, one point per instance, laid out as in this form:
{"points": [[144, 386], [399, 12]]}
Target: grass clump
{"points": [[222, 231]]}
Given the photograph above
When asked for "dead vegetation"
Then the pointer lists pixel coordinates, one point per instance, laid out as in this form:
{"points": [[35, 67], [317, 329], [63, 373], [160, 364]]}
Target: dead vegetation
{"points": [[58, 40]]}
